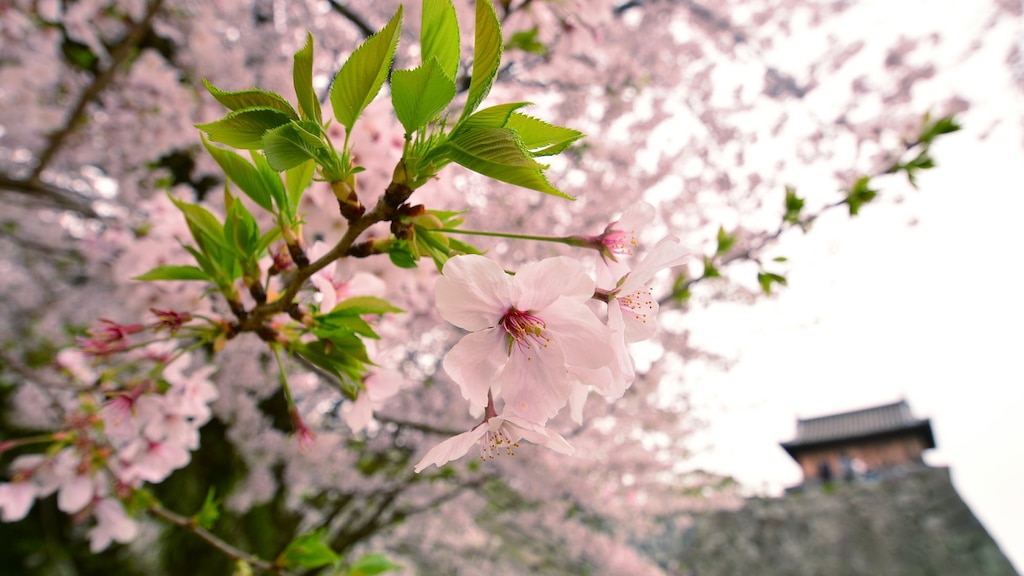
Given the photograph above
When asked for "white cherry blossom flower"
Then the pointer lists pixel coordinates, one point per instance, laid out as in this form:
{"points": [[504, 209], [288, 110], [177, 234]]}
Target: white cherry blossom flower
{"points": [[496, 436], [526, 330]]}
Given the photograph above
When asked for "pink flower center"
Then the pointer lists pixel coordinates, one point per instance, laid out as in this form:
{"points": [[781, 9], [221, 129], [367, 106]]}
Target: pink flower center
{"points": [[524, 331], [619, 242], [639, 304]]}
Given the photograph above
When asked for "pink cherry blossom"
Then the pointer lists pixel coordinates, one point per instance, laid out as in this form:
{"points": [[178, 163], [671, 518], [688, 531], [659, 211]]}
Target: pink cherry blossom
{"points": [[526, 331], [497, 436], [631, 305], [112, 524], [339, 280], [379, 386], [16, 500]]}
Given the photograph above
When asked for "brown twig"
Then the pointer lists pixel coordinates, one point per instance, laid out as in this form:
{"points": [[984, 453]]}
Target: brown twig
{"points": [[190, 525], [100, 82]]}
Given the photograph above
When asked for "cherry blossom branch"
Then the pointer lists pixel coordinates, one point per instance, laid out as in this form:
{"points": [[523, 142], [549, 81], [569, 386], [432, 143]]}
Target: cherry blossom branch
{"points": [[193, 526], [894, 165], [119, 54]]}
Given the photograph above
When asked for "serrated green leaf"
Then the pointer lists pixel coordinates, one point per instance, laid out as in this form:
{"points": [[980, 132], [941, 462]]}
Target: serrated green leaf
{"points": [[241, 230], [245, 128], [498, 153], [292, 144], [308, 551], [253, 98], [439, 35], [363, 74], [420, 94], [243, 174], [297, 179], [487, 48], [373, 564], [492, 117], [172, 272], [541, 138], [302, 77]]}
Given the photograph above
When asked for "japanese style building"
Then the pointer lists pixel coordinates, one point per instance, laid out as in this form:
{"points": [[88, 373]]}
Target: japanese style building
{"points": [[869, 441]]}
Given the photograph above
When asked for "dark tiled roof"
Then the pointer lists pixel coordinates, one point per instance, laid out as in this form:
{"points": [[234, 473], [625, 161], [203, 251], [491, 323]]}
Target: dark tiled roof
{"points": [[874, 421]]}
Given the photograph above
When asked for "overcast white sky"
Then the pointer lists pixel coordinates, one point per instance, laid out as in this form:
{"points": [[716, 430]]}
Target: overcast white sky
{"points": [[879, 309]]}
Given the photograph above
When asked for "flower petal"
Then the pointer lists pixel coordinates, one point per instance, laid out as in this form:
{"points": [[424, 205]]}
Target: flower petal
{"points": [[475, 360], [544, 282], [452, 448], [473, 292]]}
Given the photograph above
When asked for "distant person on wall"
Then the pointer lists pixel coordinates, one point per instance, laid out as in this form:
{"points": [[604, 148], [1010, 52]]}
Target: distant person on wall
{"points": [[847, 467], [825, 472]]}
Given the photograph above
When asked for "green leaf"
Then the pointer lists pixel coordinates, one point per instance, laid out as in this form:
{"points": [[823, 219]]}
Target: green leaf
{"points": [[302, 77], [245, 128], [526, 40], [439, 36], [292, 144], [794, 205], [372, 564], [486, 56], [272, 181], [308, 551], [210, 512], [710, 271], [296, 180], [359, 305], [420, 94], [205, 228], [541, 138], [243, 174], [172, 272], [401, 255], [344, 357], [766, 279], [362, 75], [725, 241], [930, 130], [498, 153], [493, 117], [254, 98], [860, 194], [241, 231]]}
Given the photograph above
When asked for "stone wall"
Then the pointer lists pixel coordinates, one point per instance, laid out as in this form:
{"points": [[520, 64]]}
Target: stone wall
{"points": [[909, 523]]}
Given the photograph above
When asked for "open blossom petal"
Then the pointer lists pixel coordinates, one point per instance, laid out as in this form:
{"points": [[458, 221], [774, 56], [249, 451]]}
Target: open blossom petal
{"points": [[112, 524], [473, 292], [16, 500], [499, 435], [474, 362], [75, 494]]}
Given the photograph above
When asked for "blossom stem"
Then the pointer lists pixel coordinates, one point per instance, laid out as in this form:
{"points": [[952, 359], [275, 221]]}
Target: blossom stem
{"points": [[568, 240]]}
